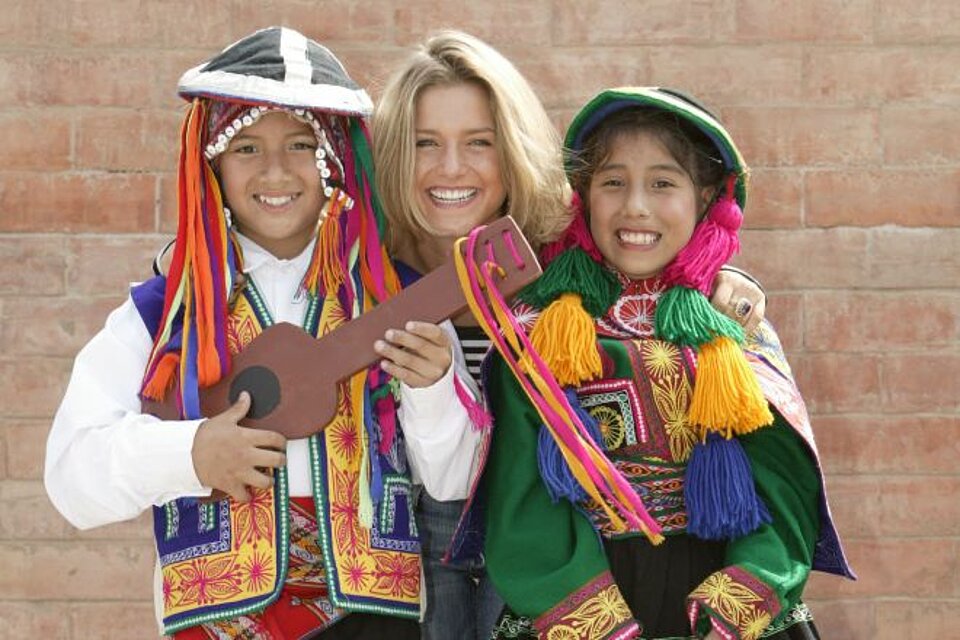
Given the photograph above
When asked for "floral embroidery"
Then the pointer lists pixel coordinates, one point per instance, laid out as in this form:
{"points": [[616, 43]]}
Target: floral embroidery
{"points": [[254, 518], [597, 610], [397, 575], [345, 512], [738, 599], [256, 570], [206, 581]]}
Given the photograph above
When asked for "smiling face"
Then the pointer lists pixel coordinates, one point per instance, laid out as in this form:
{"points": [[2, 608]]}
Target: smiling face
{"points": [[457, 168], [271, 183], [643, 205]]}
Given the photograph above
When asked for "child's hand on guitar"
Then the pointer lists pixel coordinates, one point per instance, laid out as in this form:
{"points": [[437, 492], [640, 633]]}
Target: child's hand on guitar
{"points": [[230, 458], [418, 356]]}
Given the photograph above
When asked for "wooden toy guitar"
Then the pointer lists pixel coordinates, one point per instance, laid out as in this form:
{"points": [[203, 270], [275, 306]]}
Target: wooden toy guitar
{"points": [[293, 377]]}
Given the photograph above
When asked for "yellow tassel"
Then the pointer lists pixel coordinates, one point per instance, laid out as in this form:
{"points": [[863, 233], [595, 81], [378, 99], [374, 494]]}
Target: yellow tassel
{"points": [[727, 397], [566, 339], [162, 380]]}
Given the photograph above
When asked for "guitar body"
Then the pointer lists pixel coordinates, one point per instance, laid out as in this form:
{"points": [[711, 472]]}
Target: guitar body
{"points": [[292, 378]]}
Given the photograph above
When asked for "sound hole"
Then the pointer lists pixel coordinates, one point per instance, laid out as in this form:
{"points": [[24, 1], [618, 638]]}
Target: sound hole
{"points": [[262, 385]]}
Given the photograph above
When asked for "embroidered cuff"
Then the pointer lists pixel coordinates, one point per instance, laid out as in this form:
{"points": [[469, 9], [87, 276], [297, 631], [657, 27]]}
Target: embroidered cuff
{"points": [[595, 611], [738, 605]]}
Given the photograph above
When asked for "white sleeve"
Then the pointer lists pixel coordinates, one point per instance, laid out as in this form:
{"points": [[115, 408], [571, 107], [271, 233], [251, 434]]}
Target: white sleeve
{"points": [[106, 461], [441, 442]]}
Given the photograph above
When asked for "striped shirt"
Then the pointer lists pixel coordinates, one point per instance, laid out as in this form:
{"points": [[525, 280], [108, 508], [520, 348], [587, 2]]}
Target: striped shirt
{"points": [[475, 345]]}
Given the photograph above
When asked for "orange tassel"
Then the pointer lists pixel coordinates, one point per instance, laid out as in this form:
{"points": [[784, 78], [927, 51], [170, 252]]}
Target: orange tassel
{"points": [[566, 339], [162, 381], [727, 398]]}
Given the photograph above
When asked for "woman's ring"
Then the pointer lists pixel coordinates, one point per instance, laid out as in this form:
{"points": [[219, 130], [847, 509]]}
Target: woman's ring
{"points": [[742, 308]]}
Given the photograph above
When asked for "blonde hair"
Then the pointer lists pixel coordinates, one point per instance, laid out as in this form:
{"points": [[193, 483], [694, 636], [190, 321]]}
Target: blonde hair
{"points": [[528, 144]]}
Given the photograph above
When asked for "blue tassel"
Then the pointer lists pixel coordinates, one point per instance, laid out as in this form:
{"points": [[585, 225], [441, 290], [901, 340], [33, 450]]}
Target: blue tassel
{"points": [[721, 497], [554, 470]]}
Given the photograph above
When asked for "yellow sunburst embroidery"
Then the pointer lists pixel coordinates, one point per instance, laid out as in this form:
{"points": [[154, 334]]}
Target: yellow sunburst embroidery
{"points": [[660, 358], [611, 424]]}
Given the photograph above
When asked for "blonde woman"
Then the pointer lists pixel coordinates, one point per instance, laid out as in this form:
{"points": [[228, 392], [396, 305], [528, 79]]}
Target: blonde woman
{"points": [[460, 139]]}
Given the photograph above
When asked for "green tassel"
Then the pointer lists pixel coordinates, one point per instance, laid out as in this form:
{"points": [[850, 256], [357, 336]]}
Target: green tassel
{"points": [[685, 317], [573, 271]]}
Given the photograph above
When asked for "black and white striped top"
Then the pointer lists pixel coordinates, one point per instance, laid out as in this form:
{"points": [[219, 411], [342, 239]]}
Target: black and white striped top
{"points": [[475, 345]]}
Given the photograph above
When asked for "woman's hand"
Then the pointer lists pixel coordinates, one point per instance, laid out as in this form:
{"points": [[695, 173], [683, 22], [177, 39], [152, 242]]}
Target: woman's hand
{"points": [[418, 355], [738, 297], [230, 458]]}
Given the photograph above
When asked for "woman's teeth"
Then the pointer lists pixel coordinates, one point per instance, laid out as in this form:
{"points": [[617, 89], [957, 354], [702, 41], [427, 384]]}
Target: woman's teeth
{"points": [[276, 201], [638, 237], [452, 195]]}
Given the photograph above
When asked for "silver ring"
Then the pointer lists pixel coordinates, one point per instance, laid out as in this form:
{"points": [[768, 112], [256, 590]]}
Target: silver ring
{"points": [[743, 308]]}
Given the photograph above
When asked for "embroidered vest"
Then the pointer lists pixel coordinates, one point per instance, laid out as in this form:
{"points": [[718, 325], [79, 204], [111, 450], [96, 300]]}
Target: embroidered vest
{"points": [[223, 559]]}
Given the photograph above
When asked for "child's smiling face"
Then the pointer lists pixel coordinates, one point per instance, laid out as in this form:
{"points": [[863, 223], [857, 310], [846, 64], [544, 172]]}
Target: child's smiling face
{"points": [[271, 183], [643, 206]]}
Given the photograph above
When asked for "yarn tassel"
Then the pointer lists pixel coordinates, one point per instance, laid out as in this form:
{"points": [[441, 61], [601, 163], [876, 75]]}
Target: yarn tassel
{"points": [[163, 378], [712, 244], [554, 470], [480, 418], [574, 270], [685, 317], [566, 339], [727, 397], [719, 491]]}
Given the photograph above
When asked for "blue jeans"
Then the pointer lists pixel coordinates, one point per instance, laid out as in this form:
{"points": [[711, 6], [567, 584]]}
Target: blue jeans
{"points": [[461, 600]]}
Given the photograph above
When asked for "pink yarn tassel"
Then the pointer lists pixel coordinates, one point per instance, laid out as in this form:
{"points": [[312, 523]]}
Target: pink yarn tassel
{"points": [[713, 242], [387, 415], [480, 418]]}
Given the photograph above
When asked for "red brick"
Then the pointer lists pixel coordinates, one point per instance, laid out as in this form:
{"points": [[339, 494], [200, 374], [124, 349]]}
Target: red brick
{"points": [[77, 202], [569, 77], [41, 265], [913, 135], [851, 619], [184, 23], [805, 136], [46, 148], [925, 197], [877, 444], [903, 258], [882, 75], [816, 20], [29, 515], [899, 506], [72, 77], [716, 75], [838, 383], [29, 24], [785, 312], [26, 444], [776, 200], [499, 22], [51, 326], [911, 568], [33, 386], [167, 210], [636, 22], [881, 320], [107, 265], [918, 620], [110, 621], [922, 21], [30, 619], [332, 24], [927, 383], [127, 140], [99, 570], [806, 259]]}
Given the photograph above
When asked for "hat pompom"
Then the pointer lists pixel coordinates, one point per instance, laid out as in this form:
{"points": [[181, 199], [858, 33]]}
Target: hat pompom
{"points": [[713, 242]]}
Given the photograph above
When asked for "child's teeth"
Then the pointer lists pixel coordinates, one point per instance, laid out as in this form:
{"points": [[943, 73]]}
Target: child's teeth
{"points": [[637, 237], [275, 201]]}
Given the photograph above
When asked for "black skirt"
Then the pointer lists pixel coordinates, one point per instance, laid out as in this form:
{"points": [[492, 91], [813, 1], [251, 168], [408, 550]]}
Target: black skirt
{"points": [[655, 581]]}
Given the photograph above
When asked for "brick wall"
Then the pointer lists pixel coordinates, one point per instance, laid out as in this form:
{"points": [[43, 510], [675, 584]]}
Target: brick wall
{"points": [[848, 110]]}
